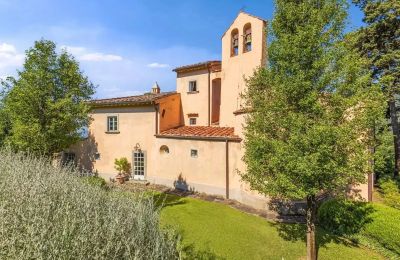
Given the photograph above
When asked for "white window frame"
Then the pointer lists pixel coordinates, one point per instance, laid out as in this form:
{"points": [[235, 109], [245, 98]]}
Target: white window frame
{"points": [[193, 88], [108, 124]]}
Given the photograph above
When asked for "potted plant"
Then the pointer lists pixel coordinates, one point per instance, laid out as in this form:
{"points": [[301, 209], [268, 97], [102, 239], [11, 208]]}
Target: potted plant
{"points": [[123, 167]]}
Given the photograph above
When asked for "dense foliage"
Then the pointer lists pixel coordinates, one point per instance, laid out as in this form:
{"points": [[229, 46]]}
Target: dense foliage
{"points": [[48, 213], [379, 41], [45, 105], [344, 217], [390, 192], [312, 108]]}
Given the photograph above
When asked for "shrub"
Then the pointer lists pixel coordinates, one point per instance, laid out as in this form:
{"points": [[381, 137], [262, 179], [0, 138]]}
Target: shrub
{"points": [[344, 217], [391, 193], [94, 181], [48, 213], [122, 165]]}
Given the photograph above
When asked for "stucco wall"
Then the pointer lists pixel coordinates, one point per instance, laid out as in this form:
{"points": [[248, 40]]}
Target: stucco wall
{"points": [[170, 112], [136, 125], [196, 103], [235, 68]]}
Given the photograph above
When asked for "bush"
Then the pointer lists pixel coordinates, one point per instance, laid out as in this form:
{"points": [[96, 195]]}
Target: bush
{"points": [[94, 181], [344, 217], [48, 213], [391, 193]]}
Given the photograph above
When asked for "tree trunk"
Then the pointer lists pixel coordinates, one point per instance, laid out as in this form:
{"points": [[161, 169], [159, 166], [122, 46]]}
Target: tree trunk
{"points": [[396, 135], [311, 214]]}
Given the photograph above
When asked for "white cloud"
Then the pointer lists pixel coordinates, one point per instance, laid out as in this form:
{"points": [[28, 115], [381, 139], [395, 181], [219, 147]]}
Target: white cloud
{"points": [[157, 65], [83, 54], [10, 59], [100, 57]]}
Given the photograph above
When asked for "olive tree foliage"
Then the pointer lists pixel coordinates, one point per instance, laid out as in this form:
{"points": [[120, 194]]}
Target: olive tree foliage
{"points": [[312, 108], [44, 106]]}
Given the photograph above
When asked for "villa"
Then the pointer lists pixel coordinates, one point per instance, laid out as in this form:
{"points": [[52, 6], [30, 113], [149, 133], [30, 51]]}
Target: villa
{"points": [[191, 138]]}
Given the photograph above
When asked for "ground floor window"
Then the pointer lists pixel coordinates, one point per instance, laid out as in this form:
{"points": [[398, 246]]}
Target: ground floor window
{"points": [[69, 159]]}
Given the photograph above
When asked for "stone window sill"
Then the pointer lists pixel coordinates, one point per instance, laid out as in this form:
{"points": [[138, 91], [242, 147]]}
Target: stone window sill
{"points": [[112, 132], [193, 92]]}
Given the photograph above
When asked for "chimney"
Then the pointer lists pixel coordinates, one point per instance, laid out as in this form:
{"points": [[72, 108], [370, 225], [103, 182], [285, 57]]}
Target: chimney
{"points": [[155, 89]]}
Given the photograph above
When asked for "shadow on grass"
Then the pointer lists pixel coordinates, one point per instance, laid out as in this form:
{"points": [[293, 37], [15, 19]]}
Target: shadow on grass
{"points": [[189, 252], [164, 200], [339, 222]]}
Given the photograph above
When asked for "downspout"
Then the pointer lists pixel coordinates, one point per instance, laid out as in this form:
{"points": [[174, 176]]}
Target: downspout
{"points": [[209, 95], [227, 167], [157, 110]]}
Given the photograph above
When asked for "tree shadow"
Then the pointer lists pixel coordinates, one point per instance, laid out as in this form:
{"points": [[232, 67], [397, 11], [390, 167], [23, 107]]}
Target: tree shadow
{"points": [[181, 184], [190, 252], [86, 153], [163, 200], [344, 221]]}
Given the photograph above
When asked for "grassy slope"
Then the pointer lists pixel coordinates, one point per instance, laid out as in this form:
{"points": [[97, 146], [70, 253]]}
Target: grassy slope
{"points": [[385, 229], [231, 234]]}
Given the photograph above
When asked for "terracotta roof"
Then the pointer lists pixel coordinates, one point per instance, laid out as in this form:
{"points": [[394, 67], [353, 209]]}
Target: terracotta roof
{"points": [[213, 65], [144, 99], [209, 132]]}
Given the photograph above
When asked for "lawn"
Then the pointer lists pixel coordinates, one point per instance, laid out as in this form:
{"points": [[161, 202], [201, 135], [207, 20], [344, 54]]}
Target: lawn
{"points": [[216, 231]]}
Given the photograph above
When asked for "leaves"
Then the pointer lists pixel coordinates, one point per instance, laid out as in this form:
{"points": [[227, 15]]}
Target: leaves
{"points": [[46, 103], [312, 107]]}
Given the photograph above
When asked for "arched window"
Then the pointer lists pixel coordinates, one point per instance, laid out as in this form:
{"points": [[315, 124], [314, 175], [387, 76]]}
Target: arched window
{"points": [[247, 38], [164, 149], [234, 42]]}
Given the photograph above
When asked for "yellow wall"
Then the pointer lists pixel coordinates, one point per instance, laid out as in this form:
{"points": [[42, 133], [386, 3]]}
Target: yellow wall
{"points": [[136, 125], [235, 68], [194, 102]]}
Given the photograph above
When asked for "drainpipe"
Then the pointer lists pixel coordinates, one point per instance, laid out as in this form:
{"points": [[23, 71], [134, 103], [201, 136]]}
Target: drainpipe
{"points": [[227, 167], [157, 107], [209, 94]]}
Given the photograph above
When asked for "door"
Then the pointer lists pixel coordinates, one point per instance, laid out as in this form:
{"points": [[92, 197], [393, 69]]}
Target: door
{"points": [[139, 165]]}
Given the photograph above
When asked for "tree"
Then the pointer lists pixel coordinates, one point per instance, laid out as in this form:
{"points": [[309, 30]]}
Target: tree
{"points": [[46, 103], [379, 41], [312, 109]]}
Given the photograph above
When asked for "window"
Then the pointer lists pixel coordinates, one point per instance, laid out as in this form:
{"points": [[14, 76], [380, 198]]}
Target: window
{"points": [[112, 123], [247, 38], [193, 153], [97, 156], [192, 121], [234, 42], [164, 149], [193, 86]]}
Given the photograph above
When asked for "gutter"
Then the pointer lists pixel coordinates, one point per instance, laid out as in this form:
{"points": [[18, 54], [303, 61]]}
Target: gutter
{"points": [[200, 138]]}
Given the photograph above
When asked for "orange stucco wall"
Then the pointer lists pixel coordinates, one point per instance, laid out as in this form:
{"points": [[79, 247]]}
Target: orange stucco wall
{"points": [[170, 112]]}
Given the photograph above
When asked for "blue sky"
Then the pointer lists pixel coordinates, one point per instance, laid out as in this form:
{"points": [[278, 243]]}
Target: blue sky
{"points": [[125, 46]]}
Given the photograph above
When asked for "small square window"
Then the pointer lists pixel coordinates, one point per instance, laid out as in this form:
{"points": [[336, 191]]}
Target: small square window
{"points": [[193, 153], [192, 121], [112, 123], [192, 86], [97, 156]]}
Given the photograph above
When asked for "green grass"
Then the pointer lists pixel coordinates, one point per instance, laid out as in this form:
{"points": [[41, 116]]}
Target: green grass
{"points": [[217, 231], [384, 230]]}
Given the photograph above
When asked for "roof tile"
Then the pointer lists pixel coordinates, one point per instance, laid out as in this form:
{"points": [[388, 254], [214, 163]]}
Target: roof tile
{"points": [[201, 131]]}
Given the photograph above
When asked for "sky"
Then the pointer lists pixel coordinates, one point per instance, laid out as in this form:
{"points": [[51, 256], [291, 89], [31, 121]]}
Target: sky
{"points": [[125, 46]]}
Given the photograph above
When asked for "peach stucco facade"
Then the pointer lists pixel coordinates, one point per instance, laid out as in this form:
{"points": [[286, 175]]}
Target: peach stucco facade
{"points": [[188, 139]]}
